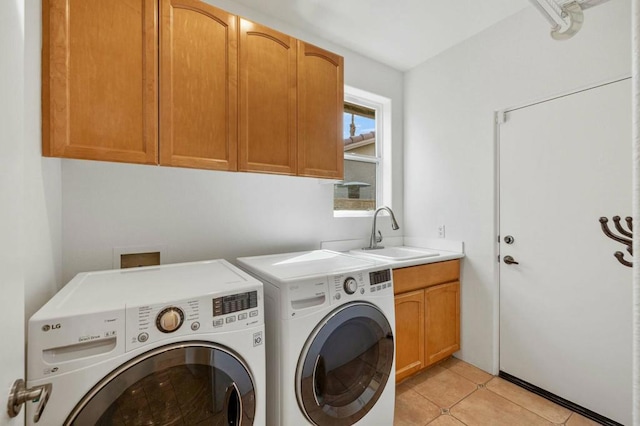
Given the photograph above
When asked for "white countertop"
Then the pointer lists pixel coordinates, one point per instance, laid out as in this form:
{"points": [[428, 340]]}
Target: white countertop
{"points": [[446, 249], [440, 257]]}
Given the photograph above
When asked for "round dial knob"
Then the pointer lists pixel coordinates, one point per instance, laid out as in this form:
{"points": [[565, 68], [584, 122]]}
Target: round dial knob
{"points": [[169, 319], [350, 285]]}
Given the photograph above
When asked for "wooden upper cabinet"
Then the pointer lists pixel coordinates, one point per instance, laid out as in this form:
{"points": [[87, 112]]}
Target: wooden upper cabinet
{"points": [[99, 80], [320, 109], [198, 86], [267, 100], [183, 83]]}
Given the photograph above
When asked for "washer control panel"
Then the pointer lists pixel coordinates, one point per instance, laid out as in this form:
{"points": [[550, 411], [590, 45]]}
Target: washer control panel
{"points": [[146, 324], [235, 303], [380, 280], [356, 284]]}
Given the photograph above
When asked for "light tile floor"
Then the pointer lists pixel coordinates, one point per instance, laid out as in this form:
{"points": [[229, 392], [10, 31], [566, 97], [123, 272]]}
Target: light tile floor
{"points": [[454, 393]]}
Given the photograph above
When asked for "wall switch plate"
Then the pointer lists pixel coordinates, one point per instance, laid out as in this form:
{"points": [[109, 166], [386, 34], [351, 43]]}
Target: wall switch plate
{"points": [[440, 231]]}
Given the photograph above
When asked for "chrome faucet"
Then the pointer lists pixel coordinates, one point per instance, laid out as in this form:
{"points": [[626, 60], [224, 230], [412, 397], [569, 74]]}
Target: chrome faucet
{"points": [[375, 239]]}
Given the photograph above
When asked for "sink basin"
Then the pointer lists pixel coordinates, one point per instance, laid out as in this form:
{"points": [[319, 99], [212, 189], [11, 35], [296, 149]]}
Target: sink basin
{"points": [[395, 253]]}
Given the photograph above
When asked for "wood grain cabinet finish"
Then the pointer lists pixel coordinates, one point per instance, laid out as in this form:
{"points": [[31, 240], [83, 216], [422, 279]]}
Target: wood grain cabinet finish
{"points": [[99, 85], [320, 110], [409, 309], [198, 81], [182, 83], [268, 140], [427, 300], [442, 321]]}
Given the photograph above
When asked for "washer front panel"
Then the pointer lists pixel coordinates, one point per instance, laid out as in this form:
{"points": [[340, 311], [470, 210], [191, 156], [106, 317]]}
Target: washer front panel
{"points": [[184, 383], [345, 365]]}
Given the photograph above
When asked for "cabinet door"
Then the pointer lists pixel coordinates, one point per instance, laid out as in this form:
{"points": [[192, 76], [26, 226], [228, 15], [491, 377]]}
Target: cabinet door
{"points": [[442, 321], [198, 80], [320, 109], [99, 80], [409, 308], [267, 100]]}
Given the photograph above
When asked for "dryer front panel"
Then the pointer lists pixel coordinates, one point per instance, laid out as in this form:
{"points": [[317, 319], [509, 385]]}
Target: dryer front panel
{"points": [[182, 383], [345, 365]]}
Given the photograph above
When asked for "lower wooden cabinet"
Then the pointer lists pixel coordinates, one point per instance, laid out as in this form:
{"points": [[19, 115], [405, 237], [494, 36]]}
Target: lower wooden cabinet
{"points": [[442, 321], [427, 316], [409, 333]]}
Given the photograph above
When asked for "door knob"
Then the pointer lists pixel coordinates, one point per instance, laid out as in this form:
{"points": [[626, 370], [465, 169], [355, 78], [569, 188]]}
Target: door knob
{"points": [[510, 261], [20, 394]]}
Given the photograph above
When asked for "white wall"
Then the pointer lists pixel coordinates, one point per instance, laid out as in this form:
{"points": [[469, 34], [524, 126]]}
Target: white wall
{"points": [[449, 136], [199, 214]]}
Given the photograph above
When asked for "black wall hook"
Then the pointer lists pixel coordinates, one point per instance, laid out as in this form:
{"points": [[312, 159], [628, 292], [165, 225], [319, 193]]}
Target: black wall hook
{"points": [[626, 241], [616, 221]]}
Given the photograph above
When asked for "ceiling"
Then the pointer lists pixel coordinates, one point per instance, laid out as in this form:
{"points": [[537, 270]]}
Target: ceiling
{"points": [[399, 33]]}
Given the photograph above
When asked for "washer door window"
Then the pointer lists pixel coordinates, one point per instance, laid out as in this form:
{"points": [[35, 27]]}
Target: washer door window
{"points": [[345, 365], [180, 384]]}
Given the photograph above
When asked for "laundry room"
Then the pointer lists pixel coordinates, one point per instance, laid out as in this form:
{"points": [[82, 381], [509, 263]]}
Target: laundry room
{"points": [[470, 107]]}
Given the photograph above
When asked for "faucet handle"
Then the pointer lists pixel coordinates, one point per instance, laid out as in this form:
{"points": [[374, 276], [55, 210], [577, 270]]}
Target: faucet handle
{"points": [[379, 237]]}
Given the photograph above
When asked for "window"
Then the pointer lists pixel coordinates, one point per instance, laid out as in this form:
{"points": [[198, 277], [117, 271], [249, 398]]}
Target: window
{"points": [[366, 126]]}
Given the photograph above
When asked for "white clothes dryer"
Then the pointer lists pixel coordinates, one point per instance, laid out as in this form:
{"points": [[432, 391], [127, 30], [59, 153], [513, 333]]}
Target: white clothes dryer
{"points": [[166, 345], [330, 338]]}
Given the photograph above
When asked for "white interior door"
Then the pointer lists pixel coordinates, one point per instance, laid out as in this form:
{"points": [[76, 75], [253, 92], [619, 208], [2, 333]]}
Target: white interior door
{"points": [[565, 309], [11, 178]]}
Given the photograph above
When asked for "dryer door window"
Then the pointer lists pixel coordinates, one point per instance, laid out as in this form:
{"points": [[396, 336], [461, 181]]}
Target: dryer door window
{"points": [[345, 365], [180, 384]]}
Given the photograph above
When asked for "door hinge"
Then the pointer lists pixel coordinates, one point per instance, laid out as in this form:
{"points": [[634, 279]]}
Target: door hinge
{"points": [[501, 117]]}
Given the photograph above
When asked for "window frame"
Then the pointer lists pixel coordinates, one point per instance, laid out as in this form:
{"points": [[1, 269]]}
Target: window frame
{"points": [[382, 107]]}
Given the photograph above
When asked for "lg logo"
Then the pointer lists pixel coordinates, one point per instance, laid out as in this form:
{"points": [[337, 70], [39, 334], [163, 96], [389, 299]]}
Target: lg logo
{"points": [[48, 327]]}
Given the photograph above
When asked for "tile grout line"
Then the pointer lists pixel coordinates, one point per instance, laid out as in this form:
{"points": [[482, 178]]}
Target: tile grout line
{"points": [[571, 413], [467, 396], [526, 409], [505, 398], [412, 387]]}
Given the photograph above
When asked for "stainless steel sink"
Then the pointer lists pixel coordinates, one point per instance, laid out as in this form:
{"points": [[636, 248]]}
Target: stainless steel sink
{"points": [[395, 253]]}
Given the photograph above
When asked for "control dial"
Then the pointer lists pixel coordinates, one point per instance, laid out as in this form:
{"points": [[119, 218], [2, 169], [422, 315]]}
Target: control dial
{"points": [[350, 285], [169, 319]]}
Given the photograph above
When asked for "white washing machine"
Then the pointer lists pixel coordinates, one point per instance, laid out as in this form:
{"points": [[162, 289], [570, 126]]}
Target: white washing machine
{"points": [[167, 345], [330, 338]]}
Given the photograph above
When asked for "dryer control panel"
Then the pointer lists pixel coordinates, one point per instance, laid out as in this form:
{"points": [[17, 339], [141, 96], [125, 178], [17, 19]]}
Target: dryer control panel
{"points": [[353, 285], [206, 314]]}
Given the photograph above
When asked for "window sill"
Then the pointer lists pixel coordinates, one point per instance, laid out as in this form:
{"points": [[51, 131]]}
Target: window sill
{"points": [[353, 213]]}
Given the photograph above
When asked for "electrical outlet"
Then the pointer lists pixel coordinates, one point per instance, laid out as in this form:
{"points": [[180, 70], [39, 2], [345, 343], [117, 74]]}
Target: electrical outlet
{"points": [[440, 231]]}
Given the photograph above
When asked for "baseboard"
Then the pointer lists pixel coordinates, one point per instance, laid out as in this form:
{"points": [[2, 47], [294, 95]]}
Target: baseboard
{"points": [[559, 400]]}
